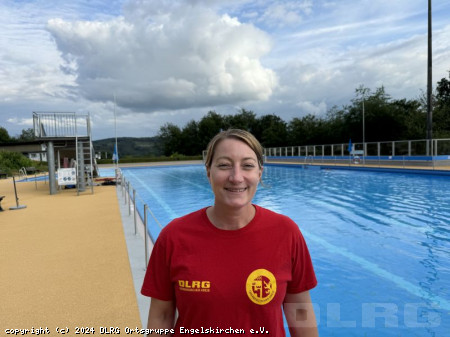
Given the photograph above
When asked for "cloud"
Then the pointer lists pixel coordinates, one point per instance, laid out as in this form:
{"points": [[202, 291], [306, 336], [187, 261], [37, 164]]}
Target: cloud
{"points": [[288, 13], [21, 121], [170, 57], [29, 63], [181, 59]]}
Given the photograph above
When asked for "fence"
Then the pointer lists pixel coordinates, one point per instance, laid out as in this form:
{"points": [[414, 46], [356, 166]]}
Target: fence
{"points": [[405, 153], [420, 147]]}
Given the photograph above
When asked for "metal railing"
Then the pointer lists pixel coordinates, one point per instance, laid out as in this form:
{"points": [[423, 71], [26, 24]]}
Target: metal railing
{"points": [[61, 124], [408, 153], [138, 209], [23, 174], [419, 147]]}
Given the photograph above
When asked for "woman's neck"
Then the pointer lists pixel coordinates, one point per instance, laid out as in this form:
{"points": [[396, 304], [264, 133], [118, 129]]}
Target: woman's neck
{"points": [[230, 219]]}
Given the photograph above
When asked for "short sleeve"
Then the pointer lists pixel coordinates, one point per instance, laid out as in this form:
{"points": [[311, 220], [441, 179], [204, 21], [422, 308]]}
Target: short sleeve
{"points": [[303, 275], [157, 282]]}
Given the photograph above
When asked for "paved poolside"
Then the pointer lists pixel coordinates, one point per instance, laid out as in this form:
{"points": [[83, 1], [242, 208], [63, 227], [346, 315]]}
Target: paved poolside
{"points": [[415, 168], [64, 260]]}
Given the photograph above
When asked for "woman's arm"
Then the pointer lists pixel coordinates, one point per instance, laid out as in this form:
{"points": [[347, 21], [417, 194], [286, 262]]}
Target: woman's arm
{"points": [[161, 314], [300, 316]]}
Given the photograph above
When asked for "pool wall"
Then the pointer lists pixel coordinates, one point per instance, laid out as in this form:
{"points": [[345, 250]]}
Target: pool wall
{"points": [[402, 161], [355, 167]]}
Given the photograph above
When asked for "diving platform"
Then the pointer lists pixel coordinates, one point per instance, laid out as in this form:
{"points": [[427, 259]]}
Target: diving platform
{"points": [[70, 151]]}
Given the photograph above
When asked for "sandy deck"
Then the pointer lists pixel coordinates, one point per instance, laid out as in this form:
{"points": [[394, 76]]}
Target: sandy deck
{"points": [[64, 260]]}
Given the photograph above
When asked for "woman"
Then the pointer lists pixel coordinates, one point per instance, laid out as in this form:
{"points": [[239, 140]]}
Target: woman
{"points": [[232, 265]]}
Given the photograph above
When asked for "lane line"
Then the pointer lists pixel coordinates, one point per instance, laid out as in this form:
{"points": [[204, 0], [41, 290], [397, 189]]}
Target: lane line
{"points": [[374, 268], [163, 204]]}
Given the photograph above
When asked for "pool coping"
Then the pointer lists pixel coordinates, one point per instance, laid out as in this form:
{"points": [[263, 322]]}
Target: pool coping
{"points": [[409, 170]]}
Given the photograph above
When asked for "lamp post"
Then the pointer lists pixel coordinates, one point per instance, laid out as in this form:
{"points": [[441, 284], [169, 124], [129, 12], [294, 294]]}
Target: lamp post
{"points": [[116, 150], [364, 130], [429, 87]]}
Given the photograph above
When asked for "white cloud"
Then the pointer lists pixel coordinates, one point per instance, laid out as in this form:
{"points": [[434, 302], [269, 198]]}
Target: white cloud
{"points": [[173, 61], [308, 107], [286, 13], [188, 57], [28, 122]]}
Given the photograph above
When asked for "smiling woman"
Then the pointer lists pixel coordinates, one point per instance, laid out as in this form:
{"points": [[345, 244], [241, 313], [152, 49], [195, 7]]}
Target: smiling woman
{"points": [[193, 267], [234, 169]]}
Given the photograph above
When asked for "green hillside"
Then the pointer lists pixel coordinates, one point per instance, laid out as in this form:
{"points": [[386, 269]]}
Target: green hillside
{"points": [[129, 147]]}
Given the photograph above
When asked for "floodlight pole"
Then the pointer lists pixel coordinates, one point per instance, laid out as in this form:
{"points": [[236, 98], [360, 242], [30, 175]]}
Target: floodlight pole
{"points": [[429, 87], [115, 134], [364, 129]]}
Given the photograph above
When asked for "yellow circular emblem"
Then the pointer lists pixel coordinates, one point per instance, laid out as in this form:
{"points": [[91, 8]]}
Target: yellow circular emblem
{"points": [[261, 286]]}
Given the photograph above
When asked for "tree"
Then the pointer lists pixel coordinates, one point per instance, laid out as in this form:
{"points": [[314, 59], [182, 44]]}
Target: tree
{"points": [[190, 144], [383, 121], [441, 112], [170, 136], [4, 135], [209, 126], [245, 120], [302, 130], [336, 127], [443, 92], [27, 135], [271, 131]]}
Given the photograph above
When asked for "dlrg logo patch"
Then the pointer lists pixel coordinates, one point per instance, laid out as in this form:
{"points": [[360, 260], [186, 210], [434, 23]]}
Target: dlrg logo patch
{"points": [[196, 286], [261, 286]]}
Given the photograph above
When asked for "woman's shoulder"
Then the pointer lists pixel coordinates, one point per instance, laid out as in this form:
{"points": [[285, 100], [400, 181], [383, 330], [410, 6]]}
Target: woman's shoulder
{"points": [[185, 222], [190, 217], [274, 218]]}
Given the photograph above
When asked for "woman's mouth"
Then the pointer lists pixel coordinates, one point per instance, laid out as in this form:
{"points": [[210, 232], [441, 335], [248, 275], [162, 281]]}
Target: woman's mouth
{"points": [[236, 190]]}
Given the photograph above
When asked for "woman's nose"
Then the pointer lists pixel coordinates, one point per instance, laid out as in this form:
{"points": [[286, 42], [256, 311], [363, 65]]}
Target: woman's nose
{"points": [[236, 174]]}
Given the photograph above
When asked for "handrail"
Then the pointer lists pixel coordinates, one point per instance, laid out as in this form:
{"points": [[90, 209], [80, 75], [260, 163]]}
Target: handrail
{"points": [[131, 197], [23, 173], [60, 124]]}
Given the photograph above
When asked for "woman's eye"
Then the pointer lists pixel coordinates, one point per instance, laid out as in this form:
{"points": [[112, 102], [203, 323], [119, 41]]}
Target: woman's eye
{"points": [[249, 166], [223, 166]]}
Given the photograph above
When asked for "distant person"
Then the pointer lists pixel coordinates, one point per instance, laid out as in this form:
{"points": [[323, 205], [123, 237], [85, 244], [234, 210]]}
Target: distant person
{"points": [[232, 265]]}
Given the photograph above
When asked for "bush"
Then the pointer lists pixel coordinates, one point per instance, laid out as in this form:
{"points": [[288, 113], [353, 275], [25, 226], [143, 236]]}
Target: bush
{"points": [[12, 162]]}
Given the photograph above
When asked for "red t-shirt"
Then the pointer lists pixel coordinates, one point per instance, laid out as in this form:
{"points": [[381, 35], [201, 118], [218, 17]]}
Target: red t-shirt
{"points": [[222, 279]]}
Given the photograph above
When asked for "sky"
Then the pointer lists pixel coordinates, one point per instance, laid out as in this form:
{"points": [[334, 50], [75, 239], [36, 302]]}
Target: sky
{"points": [[135, 65]]}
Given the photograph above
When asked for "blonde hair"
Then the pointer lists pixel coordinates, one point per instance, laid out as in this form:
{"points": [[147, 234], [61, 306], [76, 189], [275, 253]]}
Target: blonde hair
{"points": [[242, 135]]}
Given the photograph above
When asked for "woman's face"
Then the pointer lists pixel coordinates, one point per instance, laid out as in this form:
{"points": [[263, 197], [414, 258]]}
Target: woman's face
{"points": [[234, 173]]}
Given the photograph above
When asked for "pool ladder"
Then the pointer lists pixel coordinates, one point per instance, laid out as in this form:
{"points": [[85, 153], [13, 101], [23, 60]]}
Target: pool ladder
{"points": [[23, 173]]}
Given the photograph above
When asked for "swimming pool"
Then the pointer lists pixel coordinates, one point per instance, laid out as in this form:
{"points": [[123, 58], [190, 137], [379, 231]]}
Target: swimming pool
{"points": [[380, 242]]}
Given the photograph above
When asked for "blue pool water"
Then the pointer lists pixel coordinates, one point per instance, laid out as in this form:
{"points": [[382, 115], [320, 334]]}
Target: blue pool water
{"points": [[380, 242]]}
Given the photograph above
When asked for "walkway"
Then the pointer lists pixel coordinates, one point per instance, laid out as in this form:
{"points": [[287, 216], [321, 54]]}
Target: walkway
{"points": [[417, 168], [64, 260]]}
